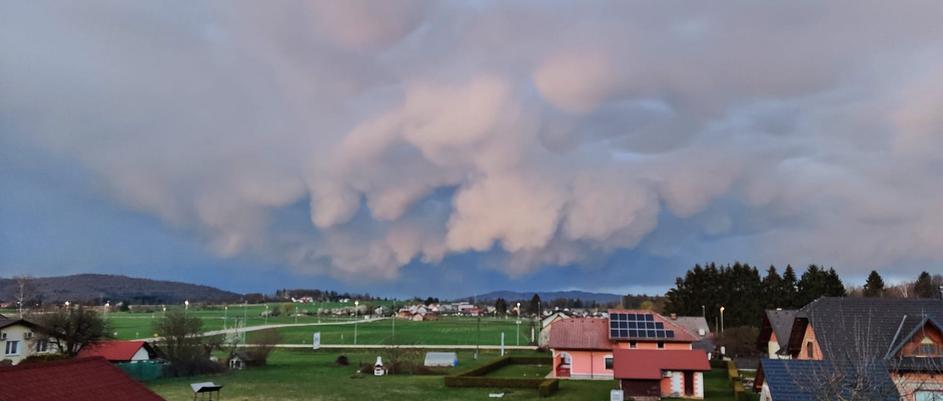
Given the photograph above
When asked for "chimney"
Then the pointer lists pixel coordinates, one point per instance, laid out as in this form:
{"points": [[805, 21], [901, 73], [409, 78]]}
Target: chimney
{"points": [[674, 316]]}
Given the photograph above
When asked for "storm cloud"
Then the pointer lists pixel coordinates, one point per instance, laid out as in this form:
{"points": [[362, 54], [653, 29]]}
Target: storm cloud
{"points": [[547, 133]]}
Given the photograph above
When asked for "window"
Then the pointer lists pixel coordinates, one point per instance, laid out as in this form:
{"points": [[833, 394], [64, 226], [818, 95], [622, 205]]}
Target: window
{"points": [[42, 345], [13, 348], [28, 335], [633, 344], [810, 350], [928, 395], [608, 361], [565, 359], [661, 345], [927, 348]]}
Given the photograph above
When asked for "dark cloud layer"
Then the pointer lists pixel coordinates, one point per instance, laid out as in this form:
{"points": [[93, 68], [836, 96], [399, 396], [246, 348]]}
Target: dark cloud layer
{"points": [[533, 134]]}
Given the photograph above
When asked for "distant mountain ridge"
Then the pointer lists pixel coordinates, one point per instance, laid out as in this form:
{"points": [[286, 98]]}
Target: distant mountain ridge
{"points": [[546, 296], [114, 288]]}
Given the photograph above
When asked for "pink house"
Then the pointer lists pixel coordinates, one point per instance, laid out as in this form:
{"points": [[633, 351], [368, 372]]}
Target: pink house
{"points": [[590, 348]]}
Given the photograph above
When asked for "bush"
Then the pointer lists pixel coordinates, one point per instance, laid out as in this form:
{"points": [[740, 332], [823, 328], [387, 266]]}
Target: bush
{"points": [[43, 358], [548, 387], [342, 360]]}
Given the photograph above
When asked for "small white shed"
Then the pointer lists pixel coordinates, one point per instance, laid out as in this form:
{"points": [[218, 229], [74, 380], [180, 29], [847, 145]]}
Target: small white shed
{"points": [[441, 359]]}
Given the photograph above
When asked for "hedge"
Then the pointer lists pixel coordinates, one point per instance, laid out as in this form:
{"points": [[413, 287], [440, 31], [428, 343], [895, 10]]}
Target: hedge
{"points": [[476, 377]]}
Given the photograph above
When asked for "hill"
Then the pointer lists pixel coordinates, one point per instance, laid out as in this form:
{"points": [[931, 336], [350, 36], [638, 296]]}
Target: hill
{"points": [[548, 296], [98, 288]]}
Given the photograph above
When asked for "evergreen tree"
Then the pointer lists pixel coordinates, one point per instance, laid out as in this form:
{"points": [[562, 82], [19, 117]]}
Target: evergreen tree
{"points": [[501, 306], [790, 288], [874, 287], [923, 287], [773, 290], [534, 307], [817, 282]]}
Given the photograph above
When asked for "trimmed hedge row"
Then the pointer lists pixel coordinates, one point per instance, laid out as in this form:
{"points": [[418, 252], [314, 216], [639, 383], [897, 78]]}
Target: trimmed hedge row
{"points": [[476, 377]]}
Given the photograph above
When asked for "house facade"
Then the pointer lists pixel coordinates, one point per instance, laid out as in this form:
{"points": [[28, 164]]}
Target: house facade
{"points": [[20, 339], [775, 332], [851, 335], [646, 352]]}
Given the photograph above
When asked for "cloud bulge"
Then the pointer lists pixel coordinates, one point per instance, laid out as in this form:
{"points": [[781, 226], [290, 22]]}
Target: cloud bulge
{"points": [[547, 133]]}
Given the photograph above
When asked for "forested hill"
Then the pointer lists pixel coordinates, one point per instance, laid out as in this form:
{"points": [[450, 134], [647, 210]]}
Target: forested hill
{"points": [[97, 288]]}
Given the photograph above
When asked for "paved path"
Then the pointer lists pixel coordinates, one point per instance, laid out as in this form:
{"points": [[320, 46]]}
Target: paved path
{"points": [[274, 326]]}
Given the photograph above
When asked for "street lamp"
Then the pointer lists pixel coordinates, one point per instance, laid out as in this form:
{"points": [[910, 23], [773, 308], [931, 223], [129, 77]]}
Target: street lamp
{"points": [[225, 316], [356, 312], [186, 307], [266, 314], [704, 311], [722, 319], [107, 306], [518, 323]]}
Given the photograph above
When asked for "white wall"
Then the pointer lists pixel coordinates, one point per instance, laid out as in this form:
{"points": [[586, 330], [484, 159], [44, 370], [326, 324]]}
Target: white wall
{"points": [[26, 343]]}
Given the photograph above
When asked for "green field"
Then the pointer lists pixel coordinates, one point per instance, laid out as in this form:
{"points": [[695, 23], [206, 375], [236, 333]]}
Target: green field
{"points": [[313, 376], [445, 331], [130, 325]]}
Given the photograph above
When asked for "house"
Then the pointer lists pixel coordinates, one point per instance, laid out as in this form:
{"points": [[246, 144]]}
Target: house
{"points": [[775, 332], [903, 336], [544, 338], [120, 351], [661, 373], [812, 380], [82, 379], [698, 328], [417, 313], [20, 339], [644, 343], [239, 360]]}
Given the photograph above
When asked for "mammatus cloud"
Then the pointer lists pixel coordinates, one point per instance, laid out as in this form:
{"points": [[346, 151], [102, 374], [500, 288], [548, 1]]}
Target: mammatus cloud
{"points": [[549, 134]]}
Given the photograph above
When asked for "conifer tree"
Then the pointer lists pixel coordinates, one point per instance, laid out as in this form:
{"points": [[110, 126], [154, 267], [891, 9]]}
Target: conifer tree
{"points": [[874, 287]]}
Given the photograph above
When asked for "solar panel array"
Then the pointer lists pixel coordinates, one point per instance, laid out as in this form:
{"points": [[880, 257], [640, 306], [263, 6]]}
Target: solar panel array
{"points": [[637, 325]]}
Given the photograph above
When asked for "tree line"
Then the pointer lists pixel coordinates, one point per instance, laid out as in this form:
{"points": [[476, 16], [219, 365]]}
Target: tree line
{"points": [[745, 293]]}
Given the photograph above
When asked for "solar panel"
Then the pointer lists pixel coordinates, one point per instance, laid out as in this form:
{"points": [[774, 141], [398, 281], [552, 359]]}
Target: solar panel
{"points": [[637, 325]]}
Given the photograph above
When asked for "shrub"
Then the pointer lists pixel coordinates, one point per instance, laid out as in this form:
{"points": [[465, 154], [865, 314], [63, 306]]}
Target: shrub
{"points": [[548, 387], [44, 358], [342, 360]]}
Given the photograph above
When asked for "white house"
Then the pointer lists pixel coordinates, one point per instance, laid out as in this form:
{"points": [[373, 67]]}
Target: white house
{"points": [[19, 340]]}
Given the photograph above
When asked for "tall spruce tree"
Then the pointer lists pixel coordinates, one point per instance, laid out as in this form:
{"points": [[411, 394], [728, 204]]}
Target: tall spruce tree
{"points": [[874, 287], [817, 282], [790, 289], [923, 287], [773, 289]]}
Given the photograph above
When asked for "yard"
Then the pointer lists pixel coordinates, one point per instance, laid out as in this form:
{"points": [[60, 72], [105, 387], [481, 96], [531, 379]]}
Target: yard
{"points": [[296, 375]]}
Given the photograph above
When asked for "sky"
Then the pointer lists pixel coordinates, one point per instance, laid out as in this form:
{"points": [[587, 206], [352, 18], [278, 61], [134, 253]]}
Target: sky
{"points": [[447, 148]]}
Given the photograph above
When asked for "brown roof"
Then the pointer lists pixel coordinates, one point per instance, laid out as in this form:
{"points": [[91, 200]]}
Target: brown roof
{"points": [[580, 333], [648, 364], [83, 379]]}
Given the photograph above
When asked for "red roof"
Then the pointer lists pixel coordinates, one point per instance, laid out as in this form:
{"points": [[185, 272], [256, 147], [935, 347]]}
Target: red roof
{"points": [[649, 364], [114, 351], [84, 379], [580, 333]]}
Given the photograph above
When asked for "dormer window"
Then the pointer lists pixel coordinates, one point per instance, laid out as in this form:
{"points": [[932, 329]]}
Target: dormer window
{"points": [[927, 347]]}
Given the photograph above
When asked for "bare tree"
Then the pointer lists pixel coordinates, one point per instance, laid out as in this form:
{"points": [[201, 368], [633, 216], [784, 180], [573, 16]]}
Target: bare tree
{"points": [[70, 329], [25, 287]]}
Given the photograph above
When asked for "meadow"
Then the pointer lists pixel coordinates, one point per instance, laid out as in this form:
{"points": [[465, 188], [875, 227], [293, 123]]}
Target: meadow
{"points": [[445, 331]]}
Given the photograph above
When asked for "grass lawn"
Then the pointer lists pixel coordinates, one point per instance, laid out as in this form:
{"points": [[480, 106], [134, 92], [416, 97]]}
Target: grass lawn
{"points": [[521, 371], [445, 331], [296, 375]]}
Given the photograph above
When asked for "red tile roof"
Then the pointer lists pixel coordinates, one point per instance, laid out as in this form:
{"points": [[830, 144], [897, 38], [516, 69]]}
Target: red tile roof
{"points": [[682, 335], [649, 364], [580, 333], [114, 351], [84, 379]]}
